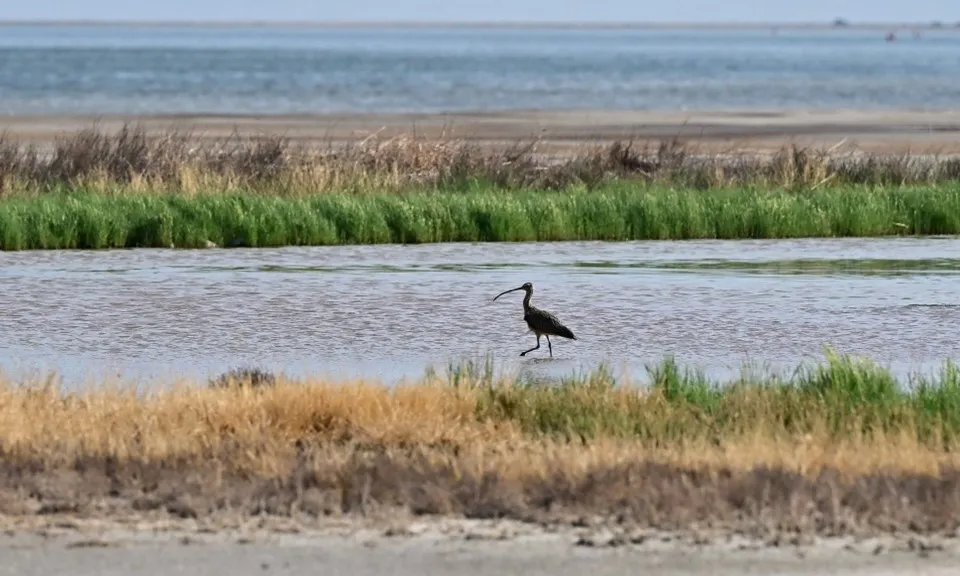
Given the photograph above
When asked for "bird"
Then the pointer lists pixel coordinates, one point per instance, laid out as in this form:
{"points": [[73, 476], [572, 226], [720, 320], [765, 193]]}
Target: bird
{"points": [[540, 322]]}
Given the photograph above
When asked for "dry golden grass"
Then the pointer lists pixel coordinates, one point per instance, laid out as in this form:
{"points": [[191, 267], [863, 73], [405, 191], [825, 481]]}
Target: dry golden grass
{"points": [[130, 161], [190, 422], [263, 429], [317, 448]]}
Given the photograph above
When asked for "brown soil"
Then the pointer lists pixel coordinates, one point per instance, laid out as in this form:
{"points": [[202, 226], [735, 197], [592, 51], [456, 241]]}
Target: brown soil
{"points": [[760, 502]]}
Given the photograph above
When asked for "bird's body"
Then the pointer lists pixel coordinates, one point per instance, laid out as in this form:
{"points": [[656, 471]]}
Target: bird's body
{"points": [[540, 322]]}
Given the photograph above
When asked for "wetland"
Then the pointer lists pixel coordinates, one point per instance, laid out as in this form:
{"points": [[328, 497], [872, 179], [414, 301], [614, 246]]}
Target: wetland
{"points": [[393, 312]]}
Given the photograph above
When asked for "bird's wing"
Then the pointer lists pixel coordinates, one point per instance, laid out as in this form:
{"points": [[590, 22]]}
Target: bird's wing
{"points": [[545, 322]]}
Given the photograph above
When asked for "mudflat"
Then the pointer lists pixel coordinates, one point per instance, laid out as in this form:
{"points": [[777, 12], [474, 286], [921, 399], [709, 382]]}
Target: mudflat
{"points": [[890, 131], [471, 547]]}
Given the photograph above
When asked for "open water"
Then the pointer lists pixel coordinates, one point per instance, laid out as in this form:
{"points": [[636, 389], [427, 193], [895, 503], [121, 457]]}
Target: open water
{"points": [[262, 69]]}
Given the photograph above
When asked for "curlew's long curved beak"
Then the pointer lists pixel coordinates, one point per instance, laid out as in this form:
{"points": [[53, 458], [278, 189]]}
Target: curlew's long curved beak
{"points": [[507, 292]]}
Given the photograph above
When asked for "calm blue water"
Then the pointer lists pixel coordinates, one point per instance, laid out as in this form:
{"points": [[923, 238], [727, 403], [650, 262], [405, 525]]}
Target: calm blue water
{"points": [[102, 69]]}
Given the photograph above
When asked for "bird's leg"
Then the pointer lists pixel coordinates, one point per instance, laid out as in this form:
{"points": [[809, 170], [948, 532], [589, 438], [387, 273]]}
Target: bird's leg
{"points": [[549, 346], [534, 348]]}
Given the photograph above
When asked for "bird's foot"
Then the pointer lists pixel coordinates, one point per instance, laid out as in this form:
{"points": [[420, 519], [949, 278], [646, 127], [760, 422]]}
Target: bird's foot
{"points": [[523, 353]]}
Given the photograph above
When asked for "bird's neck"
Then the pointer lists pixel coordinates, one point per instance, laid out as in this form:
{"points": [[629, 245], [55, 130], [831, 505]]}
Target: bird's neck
{"points": [[526, 301]]}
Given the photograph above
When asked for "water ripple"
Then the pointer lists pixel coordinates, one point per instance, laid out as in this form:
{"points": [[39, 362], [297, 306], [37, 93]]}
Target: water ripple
{"points": [[393, 311]]}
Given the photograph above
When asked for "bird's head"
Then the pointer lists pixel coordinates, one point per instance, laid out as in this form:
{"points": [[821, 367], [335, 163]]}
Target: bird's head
{"points": [[526, 287]]}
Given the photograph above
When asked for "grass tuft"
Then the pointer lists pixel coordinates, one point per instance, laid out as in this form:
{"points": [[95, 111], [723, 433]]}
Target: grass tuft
{"points": [[244, 377]]}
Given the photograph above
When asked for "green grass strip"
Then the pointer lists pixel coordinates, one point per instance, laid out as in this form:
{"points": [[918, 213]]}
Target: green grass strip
{"points": [[614, 212], [841, 397]]}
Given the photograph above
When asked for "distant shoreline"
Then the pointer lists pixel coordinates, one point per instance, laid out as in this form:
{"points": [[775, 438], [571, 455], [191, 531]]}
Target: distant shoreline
{"points": [[599, 25]]}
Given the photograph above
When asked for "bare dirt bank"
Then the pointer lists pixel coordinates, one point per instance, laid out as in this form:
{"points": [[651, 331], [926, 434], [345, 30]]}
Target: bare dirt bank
{"points": [[893, 131], [620, 498]]}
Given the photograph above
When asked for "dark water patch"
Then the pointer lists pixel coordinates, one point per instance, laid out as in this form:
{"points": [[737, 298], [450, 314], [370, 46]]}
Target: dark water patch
{"points": [[883, 267]]}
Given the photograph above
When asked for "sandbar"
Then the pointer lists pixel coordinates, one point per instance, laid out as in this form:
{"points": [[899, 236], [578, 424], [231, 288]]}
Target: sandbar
{"points": [[709, 131]]}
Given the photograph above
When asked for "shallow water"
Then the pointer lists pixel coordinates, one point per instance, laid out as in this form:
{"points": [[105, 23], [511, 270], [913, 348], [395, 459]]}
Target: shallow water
{"points": [[391, 311], [268, 69]]}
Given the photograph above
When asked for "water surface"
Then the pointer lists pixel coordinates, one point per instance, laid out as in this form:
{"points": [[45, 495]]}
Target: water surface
{"points": [[391, 312], [264, 69]]}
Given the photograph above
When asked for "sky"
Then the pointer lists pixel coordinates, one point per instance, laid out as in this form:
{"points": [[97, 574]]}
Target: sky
{"points": [[488, 10]]}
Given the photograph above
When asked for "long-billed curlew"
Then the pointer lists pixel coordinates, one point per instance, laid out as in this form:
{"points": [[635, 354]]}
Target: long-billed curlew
{"points": [[541, 322]]}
